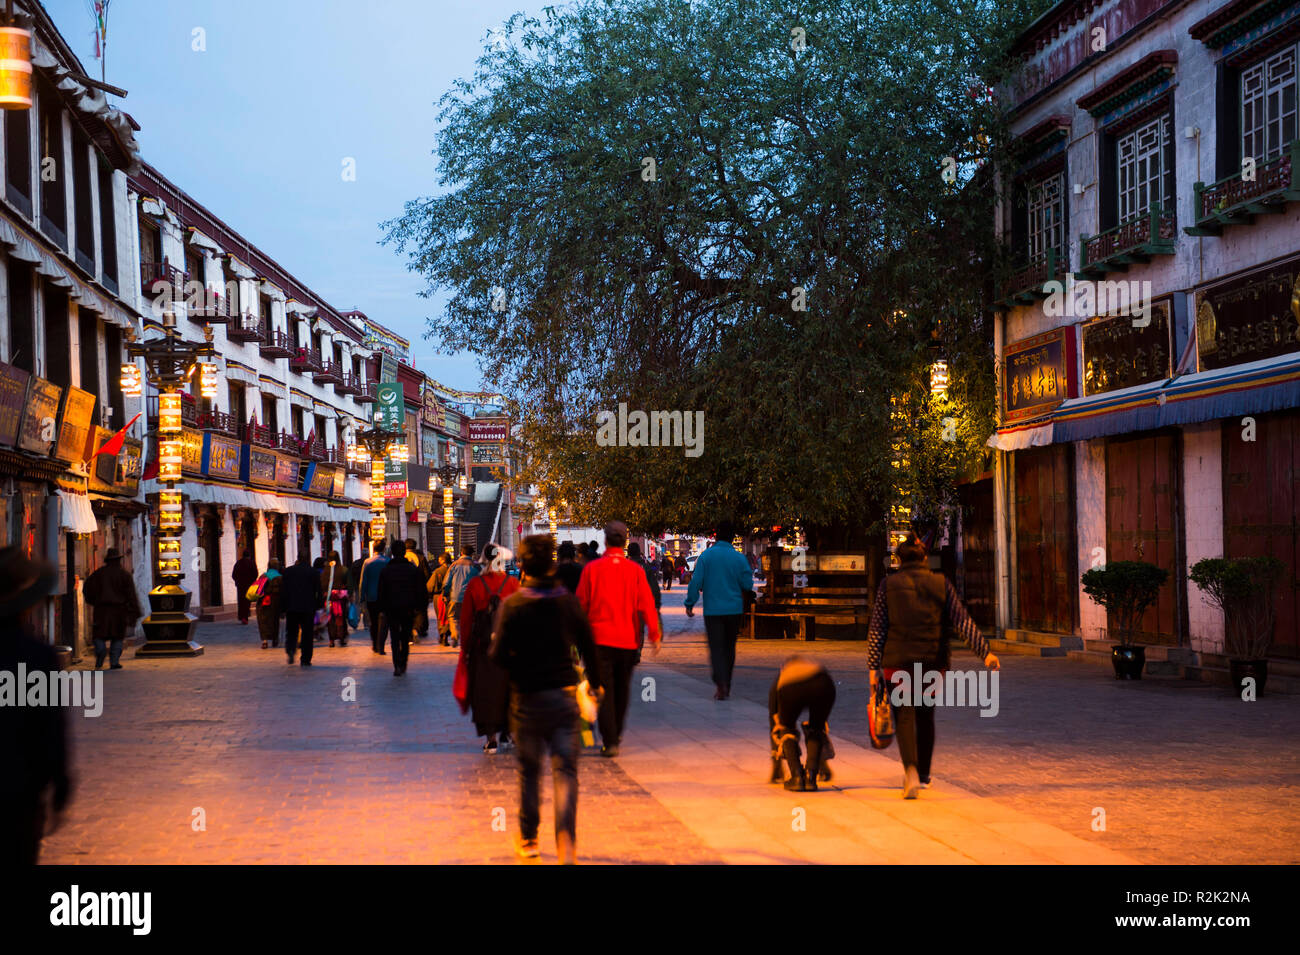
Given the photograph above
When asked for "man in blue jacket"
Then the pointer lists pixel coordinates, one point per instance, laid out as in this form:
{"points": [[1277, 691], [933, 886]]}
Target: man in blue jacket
{"points": [[453, 589], [724, 575], [370, 572]]}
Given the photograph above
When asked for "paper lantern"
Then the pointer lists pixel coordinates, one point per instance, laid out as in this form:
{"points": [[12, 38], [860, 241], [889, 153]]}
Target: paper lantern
{"points": [[939, 379], [132, 385], [15, 68], [170, 511], [208, 380], [169, 413], [169, 460]]}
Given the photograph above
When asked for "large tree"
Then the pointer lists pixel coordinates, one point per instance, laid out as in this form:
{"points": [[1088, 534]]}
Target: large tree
{"points": [[638, 196]]}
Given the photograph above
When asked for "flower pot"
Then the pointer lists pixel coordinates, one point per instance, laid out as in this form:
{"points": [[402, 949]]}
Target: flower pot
{"points": [[1240, 669], [1128, 661]]}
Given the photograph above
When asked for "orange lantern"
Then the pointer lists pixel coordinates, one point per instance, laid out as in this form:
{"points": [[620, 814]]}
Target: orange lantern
{"points": [[15, 68]]}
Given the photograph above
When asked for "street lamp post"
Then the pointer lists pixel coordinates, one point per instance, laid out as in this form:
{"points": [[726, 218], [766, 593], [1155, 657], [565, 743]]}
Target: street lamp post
{"points": [[373, 446], [169, 362], [448, 475]]}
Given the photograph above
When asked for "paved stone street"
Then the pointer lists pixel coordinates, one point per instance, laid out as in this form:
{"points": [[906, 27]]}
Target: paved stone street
{"points": [[285, 770]]}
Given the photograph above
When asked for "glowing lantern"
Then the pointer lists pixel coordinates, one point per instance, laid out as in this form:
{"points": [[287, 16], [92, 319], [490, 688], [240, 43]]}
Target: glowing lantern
{"points": [[169, 460], [169, 413], [939, 379], [208, 379], [15, 68], [169, 556], [132, 385], [170, 510]]}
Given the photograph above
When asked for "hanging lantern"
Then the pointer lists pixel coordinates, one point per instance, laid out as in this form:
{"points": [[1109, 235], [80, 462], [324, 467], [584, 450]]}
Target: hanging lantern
{"points": [[208, 379], [132, 385], [464, 483], [169, 460], [15, 67], [378, 526], [939, 379], [170, 511], [398, 451], [169, 413]]}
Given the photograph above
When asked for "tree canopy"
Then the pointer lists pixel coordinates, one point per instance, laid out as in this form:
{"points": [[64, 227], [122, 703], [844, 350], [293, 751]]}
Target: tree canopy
{"points": [[637, 197]]}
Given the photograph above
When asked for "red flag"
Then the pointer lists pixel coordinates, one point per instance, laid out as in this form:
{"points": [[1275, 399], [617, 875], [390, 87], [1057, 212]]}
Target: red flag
{"points": [[114, 444]]}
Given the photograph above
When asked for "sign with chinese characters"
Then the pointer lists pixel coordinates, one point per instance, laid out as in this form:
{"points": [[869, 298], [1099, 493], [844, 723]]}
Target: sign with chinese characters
{"points": [[38, 432], [260, 466], [487, 454], [390, 414], [432, 413], [490, 430], [1117, 353], [221, 456], [453, 423], [13, 393], [1250, 318], [1037, 374], [78, 407]]}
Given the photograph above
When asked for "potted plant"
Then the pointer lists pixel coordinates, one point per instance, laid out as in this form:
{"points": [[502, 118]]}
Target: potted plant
{"points": [[1126, 588], [1242, 587]]}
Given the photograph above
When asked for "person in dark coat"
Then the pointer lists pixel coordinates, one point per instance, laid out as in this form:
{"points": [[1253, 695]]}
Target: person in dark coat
{"points": [[803, 684], [436, 581], [567, 569], [401, 595], [668, 568], [244, 575], [354, 579], [334, 589], [416, 557], [33, 739], [110, 591], [582, 556], [489, 685], [634, 554], [534, 636], [301, 597], [268, 604], [914, 612]]}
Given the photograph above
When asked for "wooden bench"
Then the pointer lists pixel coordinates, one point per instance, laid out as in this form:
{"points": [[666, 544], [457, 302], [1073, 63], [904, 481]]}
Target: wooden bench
{"points": [[837, 596]]}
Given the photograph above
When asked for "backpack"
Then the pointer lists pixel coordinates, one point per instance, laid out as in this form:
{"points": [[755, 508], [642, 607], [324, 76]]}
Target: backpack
{"points": [[481, 632]]}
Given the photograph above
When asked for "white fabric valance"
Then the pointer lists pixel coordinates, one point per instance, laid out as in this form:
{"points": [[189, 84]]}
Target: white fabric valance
{"points": [[271, 289], [76, 514], [1022, 438], [237, 372], [298, 308], [240, 269], [153, 207], [203, 242]]}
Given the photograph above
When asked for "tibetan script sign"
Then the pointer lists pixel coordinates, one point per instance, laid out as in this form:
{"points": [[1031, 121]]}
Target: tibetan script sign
{"points": [[1249, 318], [221, 456], [78, 406], [13, 392], [1119, 354], [1037, 374], [37, 432]]}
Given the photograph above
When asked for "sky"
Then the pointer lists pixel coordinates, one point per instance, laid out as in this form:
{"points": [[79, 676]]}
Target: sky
{"points": [[256, 126]]}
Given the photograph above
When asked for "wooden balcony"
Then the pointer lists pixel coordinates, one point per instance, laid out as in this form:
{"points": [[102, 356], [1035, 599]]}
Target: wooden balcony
{"points": [[276, 344], [210, 311], [219, 421], [1025, 284], [336, 456], [1139, 239], [288, 443], [1234, 201], [348, 384], [368, 392], [305, 361], [257, 434], [245, 328], [160, 278], [315, 450], [331, 373]]}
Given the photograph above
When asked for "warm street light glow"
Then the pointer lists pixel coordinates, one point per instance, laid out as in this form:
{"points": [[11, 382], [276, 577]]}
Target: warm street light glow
{"points": [[169, 413], [132, 385], [170, 510], [399, 452], [15, 68], [939, 379], [169, 459], [208, 379]]}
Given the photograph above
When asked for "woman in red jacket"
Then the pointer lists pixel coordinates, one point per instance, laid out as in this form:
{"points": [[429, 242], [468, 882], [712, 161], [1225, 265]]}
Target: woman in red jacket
{"points": [[488, 686]]}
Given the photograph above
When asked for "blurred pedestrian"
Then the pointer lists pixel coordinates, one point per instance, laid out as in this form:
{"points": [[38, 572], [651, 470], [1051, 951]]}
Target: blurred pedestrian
{"points": [[266, 594], [723, 574], [453, 588], [434, 587], [488, 685], [593, 551], [567, 569], [652, 578], [301, 597], [669, 569], [915, 611], [802, 684], [538, 632], [401, 594], [244, 574], [354, 580], [35, 784], [333, 578], [416, 556], [582, 557], [370, 594], [616, 598], [110, 591]]}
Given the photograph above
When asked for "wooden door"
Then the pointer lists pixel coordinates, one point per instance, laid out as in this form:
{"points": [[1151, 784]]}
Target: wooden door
{"points": [[977, 564], [1261, 510], [1046, 559], [1143, 522]]}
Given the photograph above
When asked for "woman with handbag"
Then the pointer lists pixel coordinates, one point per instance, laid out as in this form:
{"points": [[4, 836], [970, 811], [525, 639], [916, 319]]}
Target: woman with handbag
{"points": [[333, 584], [265, 593], [538, 631]]}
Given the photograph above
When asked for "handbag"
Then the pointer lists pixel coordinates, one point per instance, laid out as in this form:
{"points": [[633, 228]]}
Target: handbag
{"points": [[354, 615], [460, 682], [255, 589], [880, 715]]}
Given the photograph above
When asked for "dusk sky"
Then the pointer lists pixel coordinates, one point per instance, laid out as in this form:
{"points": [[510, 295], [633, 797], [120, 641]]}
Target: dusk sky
{"points": [[285, 90]]}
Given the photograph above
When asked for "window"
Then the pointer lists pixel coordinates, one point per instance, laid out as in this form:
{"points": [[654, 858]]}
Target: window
{"points": [[113, 349], [1268, 106], [22, 318], [1143, 169], [107, 226], [18, 159], [238, 402], [264, 310], [83, 209], [316, 344], [150, 244], [270, 418], [53, 200], [88, 329], [194, 266], [320, 428], [58, 345], [299, 424], [1046, 212]]}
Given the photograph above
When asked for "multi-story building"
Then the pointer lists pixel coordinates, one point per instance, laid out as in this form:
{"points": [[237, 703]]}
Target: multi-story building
{"points": [[1149, 344], [67, 302]]}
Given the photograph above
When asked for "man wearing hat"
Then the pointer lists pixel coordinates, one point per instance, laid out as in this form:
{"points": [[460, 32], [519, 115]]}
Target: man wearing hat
{"points": [[34, 786], [111, 592]]}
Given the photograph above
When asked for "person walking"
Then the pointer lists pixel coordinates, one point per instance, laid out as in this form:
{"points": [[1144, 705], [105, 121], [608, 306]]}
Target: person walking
{"points": [[301, 597], [436, 580], [401, 594], [915, 611], [616, 598], [453, 588], [723, 575], [567, 569], [267, 597], [35, 786], [802, 684], [244, 574], [110, 591], [537, 632], [370, 595], [354, 581], [669, 569], [652, 578], [333, 585], [582, 556], [416, 557], [488, 686]]}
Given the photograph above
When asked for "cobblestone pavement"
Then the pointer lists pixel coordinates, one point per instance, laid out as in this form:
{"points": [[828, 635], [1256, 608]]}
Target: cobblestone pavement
{"points": [[1185, 772]]}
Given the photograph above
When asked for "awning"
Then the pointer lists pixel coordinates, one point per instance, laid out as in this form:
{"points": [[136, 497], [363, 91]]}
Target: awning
{"points": [[76, 514], [1112, 412], [298, 308], [1032, 435], [203, 242]]}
